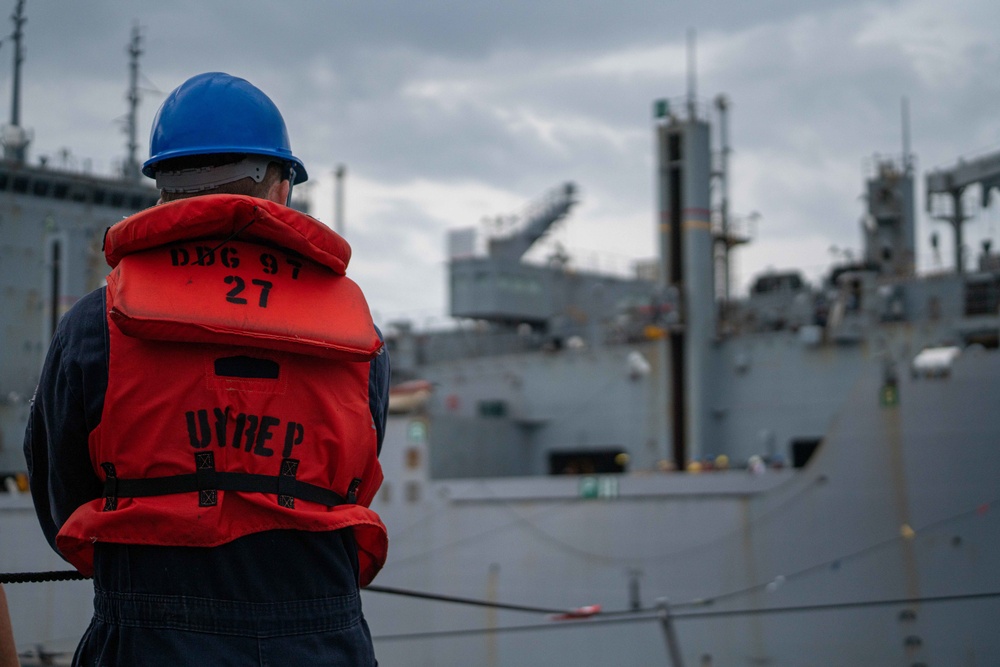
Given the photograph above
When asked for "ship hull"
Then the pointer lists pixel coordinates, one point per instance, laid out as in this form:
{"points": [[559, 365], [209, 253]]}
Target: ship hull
{"points": [[800, 566]]}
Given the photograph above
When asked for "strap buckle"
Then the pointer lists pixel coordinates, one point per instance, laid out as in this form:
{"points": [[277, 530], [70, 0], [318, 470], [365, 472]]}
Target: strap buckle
{"points": [[110, 487], [286, 483], [204, 470]]}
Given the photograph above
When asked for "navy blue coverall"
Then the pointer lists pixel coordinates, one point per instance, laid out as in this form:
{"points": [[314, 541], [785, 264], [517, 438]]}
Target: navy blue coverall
{"points": [[274, 598]]}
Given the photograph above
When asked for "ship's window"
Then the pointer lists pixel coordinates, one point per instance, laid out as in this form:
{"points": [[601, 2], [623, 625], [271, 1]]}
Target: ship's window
{"points": [[988, 338], [20, 184], [78, 195], [982, 297], [99, 197], [40, 188], [587, 462], [412, 458], [412, 492], [492, 408], [934, 308], [777, 281], [4, 181], [385, 492], [60, 191], [803, 450], [853, 303], [674, 147]]}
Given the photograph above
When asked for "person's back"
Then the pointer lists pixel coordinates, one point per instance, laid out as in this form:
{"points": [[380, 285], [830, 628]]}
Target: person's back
{"points": [[234, 423]]}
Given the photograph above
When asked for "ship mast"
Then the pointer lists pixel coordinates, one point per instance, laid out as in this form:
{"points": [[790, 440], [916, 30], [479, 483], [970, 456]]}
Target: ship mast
{"points": [[907, 157], [686, 244], [724, 240], [15, 139], [130, 170], [692, 74]]}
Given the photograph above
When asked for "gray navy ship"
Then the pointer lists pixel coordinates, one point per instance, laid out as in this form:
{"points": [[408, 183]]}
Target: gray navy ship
{"points": [[594, 469], [806, 475]]}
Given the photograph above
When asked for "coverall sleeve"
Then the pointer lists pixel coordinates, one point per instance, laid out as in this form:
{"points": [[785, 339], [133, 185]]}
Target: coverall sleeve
{"points": [[378, 391], [67, 406]]}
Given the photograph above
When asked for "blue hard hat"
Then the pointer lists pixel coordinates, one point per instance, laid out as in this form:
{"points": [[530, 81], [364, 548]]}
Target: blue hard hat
{"points": [[219, 113]]}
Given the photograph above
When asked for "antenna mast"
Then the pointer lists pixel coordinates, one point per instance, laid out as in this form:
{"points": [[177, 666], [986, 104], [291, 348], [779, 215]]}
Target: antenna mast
{"points": [[130, 170], [722, 104], [692, 75], [907, 160], [15, 139]]}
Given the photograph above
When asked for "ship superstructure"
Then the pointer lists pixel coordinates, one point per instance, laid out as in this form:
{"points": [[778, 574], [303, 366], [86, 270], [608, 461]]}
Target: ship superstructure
{"points": [[583, 438], [700, 402], [52, 224]]}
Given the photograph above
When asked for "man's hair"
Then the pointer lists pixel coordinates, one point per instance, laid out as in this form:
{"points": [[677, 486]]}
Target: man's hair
{"points": [[245, 186]]}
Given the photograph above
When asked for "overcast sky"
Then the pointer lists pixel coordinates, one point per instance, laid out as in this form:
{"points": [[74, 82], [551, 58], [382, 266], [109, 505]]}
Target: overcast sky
{"points": [[446, 112]]}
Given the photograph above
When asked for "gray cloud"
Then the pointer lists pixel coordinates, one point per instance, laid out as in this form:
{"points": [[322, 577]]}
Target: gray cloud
{"points": [[519, 96]]}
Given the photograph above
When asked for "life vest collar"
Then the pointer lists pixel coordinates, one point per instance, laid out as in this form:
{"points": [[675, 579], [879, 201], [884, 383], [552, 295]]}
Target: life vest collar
{"points": [[231, 217]]}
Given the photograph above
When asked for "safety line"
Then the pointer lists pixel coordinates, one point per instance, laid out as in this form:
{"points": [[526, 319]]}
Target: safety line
{"points": [[460, 600], [834, 606], [71, 575], [39, 577], [645, 616], [434, 634]]}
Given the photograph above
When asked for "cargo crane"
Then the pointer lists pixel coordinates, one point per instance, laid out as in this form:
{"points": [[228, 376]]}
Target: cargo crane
{"points": [[540, 216], [983, 171]]}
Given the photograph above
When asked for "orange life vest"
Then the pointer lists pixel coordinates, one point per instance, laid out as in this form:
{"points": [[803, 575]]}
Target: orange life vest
{"points": [[237, 398]]}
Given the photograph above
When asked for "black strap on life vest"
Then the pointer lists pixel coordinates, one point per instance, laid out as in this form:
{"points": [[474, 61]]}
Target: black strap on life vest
{"points": [[208, 481]]}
